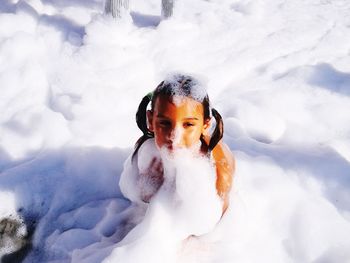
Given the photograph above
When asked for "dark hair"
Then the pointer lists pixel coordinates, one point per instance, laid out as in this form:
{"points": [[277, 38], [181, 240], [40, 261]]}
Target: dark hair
{"points": [[185, 86]]}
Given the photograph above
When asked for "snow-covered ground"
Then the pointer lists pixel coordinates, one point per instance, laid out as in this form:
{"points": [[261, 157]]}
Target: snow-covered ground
{"points": [[70, 82]]}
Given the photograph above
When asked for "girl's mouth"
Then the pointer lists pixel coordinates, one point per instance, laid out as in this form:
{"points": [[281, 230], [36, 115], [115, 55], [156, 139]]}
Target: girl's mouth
{"points": [[171, 147]]}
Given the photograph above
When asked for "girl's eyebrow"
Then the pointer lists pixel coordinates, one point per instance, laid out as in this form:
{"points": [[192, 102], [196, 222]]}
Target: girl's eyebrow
{"points": [[187, 119], [162, 116], [190, 118]]}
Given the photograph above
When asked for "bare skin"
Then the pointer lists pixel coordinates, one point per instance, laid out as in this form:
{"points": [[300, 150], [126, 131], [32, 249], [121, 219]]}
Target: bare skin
{"points": [[225, 168], [181, 126]]}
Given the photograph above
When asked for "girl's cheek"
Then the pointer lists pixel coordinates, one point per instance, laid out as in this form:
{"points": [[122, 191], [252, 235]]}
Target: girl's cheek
{"points": [[191, 138], [161, 132], [162, 136], [159, 142]]}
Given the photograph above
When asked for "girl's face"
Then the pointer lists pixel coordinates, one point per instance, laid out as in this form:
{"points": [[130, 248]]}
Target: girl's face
{"points": [[177, 125]]}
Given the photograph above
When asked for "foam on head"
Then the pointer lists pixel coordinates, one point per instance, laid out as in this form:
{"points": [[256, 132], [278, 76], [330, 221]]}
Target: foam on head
{"points": [[179, 86]]}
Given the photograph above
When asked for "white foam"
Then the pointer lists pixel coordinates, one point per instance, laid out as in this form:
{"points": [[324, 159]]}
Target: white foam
{"points": [[8, 204], [186, 204], [174, 81]]}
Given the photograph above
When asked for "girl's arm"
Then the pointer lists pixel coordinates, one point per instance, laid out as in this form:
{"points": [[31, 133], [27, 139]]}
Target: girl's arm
{"points": [[225, 168]]}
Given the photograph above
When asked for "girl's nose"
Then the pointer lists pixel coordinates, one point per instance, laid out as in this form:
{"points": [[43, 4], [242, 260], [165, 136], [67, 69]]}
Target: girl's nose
{"points": [[176, 138]]}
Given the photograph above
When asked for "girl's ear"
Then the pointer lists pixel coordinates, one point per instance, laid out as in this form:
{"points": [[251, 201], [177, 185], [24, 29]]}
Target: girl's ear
{"points": [[150, 120], [206, 127]]}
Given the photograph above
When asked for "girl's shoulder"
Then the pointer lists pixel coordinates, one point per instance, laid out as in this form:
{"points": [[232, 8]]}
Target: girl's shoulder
{"points": [[223, 158]]}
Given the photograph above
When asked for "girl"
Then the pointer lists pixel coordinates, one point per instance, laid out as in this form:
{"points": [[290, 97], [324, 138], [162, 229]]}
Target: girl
{"points": [[180, 117]]}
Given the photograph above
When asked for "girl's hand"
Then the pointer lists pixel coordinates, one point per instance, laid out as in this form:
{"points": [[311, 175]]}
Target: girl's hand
{"points": [[151, 179]]}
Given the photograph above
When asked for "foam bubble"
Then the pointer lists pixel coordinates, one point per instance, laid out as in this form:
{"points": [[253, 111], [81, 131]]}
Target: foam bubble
{"points": [[186, 204]]}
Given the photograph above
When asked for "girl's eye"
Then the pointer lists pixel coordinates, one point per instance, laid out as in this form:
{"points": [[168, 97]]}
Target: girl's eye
{"points": [[188, 124], [165, 123]]}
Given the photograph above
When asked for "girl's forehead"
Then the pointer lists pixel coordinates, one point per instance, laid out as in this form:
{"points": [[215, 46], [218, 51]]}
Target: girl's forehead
{"points": [[177, 105]]}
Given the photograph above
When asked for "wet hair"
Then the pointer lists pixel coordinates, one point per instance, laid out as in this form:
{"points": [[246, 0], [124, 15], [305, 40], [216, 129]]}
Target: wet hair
{"points": [[179, 85]]}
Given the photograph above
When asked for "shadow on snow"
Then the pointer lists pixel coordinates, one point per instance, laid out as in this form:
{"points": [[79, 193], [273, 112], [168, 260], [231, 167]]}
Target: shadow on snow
{"points": [[143, 20], [70, 31], [53, 184], [327, 77]]}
